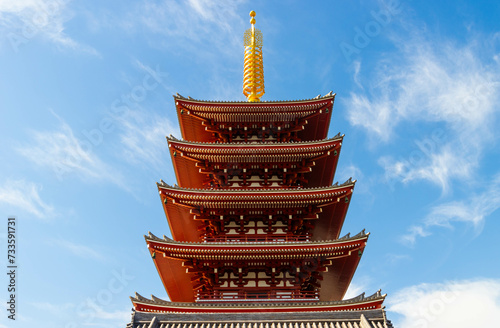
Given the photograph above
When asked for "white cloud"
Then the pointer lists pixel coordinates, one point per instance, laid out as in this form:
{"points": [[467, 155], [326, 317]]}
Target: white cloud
{"points": [[143, 137], [375, 116], [65, 154], [23, 20], [363, 184], [395, 259], [25, 196], [357, 69], [453, 304], [354, 290], [207, 31], [358, 286], [95, 315], [119, 316], [195, 21], [413, 232], [349, 171], [454, 88], [53, 308], [472, 211], [82, 251]]}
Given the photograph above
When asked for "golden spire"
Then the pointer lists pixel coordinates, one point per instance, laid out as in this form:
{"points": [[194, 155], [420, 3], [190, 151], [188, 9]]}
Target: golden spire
{"points": [[253, 71]]}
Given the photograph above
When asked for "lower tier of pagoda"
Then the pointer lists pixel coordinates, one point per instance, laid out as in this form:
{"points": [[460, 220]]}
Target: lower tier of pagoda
{"points": [[174, 317], [244, 272], [359, 303]]}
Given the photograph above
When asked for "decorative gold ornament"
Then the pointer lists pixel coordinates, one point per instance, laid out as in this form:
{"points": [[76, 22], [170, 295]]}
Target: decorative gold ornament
{"points": [[253, 69]]}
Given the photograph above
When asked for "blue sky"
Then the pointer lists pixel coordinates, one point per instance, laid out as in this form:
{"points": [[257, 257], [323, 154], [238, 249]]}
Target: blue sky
{"points": [[86, 101]]}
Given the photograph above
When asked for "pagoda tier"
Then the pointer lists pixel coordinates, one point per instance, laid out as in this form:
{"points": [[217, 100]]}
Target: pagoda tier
{"points": [[246, 272], [256, 214], [360, 303], [283, 121], [252, 165]]}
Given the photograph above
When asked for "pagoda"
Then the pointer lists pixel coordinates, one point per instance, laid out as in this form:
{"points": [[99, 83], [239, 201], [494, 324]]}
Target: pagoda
{"points": [[255, 219]]}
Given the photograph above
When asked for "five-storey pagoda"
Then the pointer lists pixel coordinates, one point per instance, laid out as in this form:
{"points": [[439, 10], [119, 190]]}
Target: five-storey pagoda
{"points": [[255, 219]]}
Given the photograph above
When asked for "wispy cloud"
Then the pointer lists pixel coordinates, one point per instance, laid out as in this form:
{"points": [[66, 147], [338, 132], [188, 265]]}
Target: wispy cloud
{"points": [[363, 183], [205, 31], [354, 290], [451, 88], [472, 211], [396, 259], [457, 304], [66, 155], [349, 171], [23, 20], [450, 84], [143, 137], [413, 233], [95, 315], [358, 286], [142, 131], [53, 308], [25, 196], [82, 251], [194, 21]]}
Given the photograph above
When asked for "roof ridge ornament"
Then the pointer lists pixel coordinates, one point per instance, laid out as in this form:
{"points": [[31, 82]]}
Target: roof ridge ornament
{"points": [[348, 182], [253, 67]]}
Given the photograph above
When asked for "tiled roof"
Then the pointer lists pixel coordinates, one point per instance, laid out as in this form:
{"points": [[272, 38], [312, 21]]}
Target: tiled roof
{"points": [[362, 234], [257, 250], [345, 319], [220, 193], [360, 299], [328, 95], [314, 143]]}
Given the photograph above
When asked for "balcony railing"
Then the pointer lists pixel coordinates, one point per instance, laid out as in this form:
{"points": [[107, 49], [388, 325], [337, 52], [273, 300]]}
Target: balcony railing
{"points": [[257, 238], [234, 295]]}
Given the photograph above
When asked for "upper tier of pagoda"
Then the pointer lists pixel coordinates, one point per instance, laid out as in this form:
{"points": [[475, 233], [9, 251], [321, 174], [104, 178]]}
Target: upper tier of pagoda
{"points": [[251, 165], [243, 271], [282, 121], [256, 215]]}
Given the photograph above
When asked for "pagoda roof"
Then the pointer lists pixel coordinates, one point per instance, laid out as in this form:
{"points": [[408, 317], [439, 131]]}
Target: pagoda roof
{"points": [[280, 195], [189, 99], [358, 303], [344, 255], [333, 202], [195, 116], [188, 156], [235, 146], [256, 250]]}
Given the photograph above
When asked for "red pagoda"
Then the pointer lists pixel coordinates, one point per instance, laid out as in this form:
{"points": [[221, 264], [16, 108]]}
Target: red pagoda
{"points": [[255, 220]]}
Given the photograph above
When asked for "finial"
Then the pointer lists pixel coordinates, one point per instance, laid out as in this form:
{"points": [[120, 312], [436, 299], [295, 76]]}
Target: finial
{"points": [[253, 72], [252, 20]]}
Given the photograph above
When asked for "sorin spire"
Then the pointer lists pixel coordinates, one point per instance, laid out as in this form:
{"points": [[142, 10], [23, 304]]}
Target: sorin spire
{"points": [[253, 72]]}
